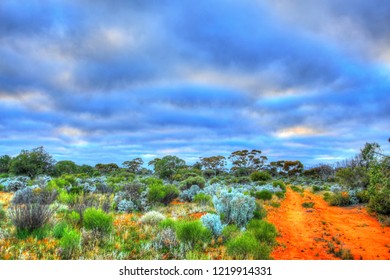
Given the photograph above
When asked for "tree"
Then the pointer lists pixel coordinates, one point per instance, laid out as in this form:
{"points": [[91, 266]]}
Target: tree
{"points": [[65, 167], [134, 165], [106, 168], [247, 161], [5, 161], [215, 163], [32, 163], [167, 166]]}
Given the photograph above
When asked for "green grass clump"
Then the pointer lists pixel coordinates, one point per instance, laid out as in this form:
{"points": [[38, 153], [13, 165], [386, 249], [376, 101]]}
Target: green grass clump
{"points": [[263, 231], [70, 243], [246, 246], [297, 189], [97, 220], [280, 184], [192, 232], [59, 229], [308, 204]]}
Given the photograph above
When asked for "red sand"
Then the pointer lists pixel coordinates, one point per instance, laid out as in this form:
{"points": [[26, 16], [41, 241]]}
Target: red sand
{"points": [[305, 233]]}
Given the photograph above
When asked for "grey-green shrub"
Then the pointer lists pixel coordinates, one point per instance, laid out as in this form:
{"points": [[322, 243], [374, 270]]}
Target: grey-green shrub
{"points": [[152, 218]]}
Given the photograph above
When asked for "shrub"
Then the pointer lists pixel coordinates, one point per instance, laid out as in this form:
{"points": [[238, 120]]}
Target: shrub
{"points": [[297, 189], [308, 204], [246, 246], [152, 218], [380, 201], [279, 184], [34, 195], [258, 176], [214, 180], [230, 232], [165, 239], [264, 195], [189, 194], [3, 214], [280, 195], [316, 189], [162, 193], [59, 229], [363, 196], [202, 198], [263, 231], [98, 220], [126, 206], [74, 218], [260, 212], [213, 223], [30, 216], [70, 243], [234, 207], [339, 199], [191, 232], [167, 223], [189, 182]]}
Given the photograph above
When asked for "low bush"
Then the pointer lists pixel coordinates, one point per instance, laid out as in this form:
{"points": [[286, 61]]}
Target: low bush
{"points": [[297, 189], [279, 184], [167, 223], [192, 232], [3, 214], [230, 232], [380, 201], [162, 193], [213, 223], [264, 195], [260, 212], [260, 176], [338, 199], [308, 204], [189, 182], [263, 231], [363, 196], [280, 195], [29, 217], [97, 220], [59, 229], [246, 246], [152, 218], [202, 198], [70, 243], [189, 194], [316, 189], [234, 207]]}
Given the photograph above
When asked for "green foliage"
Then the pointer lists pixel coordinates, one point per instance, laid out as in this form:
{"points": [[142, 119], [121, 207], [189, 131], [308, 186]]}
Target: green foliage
{"points": [[308, 204], [65, 167], [162, 193], [167, 223], [297, 189], [189, 182], [97, 220], [70, 243], [260, 212], [260, 176], [5, 162], [380, 201], [74, 218], [337, 199], [316, 189], [192, 232], [167, 166], [363, 196], [280, 184], [264, 195], [3, 214], [280, 195], [263, 231], [202, 198], [32, 163], [353, 177], [230, 232], [59, 229], [246, 246]]}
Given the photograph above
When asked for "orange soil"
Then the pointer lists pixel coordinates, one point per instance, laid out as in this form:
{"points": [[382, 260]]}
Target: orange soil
{"points": [[305, 233], [197, 215]]}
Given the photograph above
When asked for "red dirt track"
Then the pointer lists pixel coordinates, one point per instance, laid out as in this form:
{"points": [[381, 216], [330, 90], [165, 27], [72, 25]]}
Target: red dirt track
{"points": [[309, 233]]}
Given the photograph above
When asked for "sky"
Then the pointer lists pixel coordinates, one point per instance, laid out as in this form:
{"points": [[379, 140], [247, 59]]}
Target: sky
{"points": [[107, 81]]}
